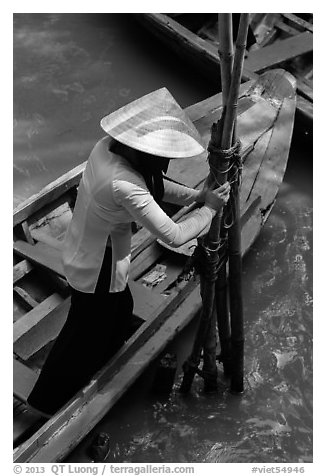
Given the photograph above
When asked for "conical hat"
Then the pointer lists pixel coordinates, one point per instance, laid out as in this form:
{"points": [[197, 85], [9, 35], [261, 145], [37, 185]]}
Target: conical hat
{"points": [[155, 124]]}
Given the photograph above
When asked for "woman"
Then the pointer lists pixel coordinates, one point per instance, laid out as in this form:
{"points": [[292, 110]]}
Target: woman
{"points": [[122, 183]]}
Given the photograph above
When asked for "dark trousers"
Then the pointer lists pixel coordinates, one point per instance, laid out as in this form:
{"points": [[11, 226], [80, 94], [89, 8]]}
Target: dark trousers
{"points": [[97, 325]]}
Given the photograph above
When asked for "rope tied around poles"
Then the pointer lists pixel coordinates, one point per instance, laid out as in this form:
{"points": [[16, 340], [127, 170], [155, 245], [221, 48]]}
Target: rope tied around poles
{"points": [[204, 260], [225, 164], [222, 161]]}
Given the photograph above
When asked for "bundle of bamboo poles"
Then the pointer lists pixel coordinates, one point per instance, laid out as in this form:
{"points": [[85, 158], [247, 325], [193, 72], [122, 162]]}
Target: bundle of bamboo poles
{"points": [[219, 295]]}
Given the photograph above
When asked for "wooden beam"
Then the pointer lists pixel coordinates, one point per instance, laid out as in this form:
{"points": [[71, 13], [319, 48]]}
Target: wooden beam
{"points": [[24, 380], [284, 50], [39, 328], [43, 237], [280, 25], [305, 89], [26, 323], [42, 255], [303, 112], [308, 76], [146, 259], [21, 269], [48, 194], [42, 325], [27, 299], [49, 258], [36, 329], [26, 232], [298, 22]]}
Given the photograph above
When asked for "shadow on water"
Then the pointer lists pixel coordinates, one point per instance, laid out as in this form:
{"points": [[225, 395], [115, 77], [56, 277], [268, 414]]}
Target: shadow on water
{"points": [[69, 71]]}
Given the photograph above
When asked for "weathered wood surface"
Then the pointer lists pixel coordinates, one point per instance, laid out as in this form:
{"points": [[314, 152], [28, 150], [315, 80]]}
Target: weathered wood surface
{"points": [[285, 28], [40, 254], [47, 194], [127, 352], [298, 22], [261, 180], [204, 55], [264, 185], [273, 55], [49, 446], [42, 325], [24, 422], [21, 269], [28, 301], [24, 380]]}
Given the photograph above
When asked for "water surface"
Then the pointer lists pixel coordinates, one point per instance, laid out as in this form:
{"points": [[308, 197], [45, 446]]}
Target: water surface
{"points": [[69, 71]]}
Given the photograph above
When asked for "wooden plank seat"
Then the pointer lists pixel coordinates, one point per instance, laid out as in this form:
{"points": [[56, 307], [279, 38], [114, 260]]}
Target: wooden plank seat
{"points": [[273, 55], [43, 323], [20, 270], [24, 380], [37, 328], [48, 257]]}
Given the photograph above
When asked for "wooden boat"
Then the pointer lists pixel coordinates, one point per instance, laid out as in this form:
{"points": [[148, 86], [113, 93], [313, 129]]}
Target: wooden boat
{"points": [[282, 40], [41, 298]]}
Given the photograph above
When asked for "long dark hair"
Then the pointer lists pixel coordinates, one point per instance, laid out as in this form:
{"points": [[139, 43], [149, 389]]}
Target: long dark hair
{"points": [[152, 172], [151, 168]]}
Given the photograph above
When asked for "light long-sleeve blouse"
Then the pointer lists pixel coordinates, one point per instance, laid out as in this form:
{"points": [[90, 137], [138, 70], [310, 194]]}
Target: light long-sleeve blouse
{"points": [[111, 196]]}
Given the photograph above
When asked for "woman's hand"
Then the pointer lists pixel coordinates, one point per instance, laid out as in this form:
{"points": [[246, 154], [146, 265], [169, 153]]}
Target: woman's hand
{"points": [[217, 198], [201, 197]]}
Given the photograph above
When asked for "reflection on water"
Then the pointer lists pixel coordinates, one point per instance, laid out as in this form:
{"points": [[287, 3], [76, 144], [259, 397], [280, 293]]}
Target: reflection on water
{"points": [[69, 71]]}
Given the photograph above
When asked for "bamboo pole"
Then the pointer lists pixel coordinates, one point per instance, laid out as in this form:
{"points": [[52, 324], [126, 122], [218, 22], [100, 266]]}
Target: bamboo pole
{"points": [[211, 243], [225, 51], [213, 238], [221, 288], [218, 175], [232, 103], [234, 235]]}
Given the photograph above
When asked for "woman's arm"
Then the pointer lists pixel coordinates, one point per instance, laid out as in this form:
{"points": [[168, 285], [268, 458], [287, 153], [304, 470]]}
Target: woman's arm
{"points": [[143, 208], [180, 194]]}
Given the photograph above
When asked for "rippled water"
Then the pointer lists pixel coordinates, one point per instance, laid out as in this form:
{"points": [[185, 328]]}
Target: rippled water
{"points": [[272, 421], [69, 70]]}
